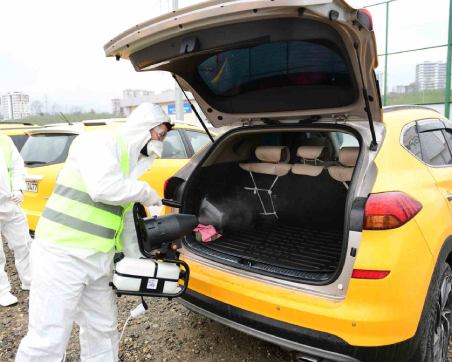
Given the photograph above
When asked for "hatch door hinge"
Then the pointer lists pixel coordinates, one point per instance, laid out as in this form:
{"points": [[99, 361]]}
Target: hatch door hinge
{"points": [[246, 122], [340, 118]]}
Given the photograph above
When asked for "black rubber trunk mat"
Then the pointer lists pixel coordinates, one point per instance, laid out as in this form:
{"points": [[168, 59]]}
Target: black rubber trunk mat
{"points": [[292, 251]]}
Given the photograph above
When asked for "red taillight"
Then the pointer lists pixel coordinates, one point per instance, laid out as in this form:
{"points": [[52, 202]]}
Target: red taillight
{"points": [[389, 210], [369, 274], [364, 18]]}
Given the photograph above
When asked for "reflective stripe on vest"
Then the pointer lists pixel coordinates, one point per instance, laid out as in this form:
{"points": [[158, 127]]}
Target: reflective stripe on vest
{"points": [[71, 217], [84, 198], [6, 150]]}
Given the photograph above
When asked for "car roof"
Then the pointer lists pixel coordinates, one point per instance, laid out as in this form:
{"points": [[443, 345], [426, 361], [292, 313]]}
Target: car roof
{"points": [[186, 125], [402, 114], [8, 124], [17, 131], [404, 107], [16, 126], [77, 128]]}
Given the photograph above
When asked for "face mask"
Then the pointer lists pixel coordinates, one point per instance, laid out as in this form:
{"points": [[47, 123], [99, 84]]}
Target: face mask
{"points": [[154, 148]]}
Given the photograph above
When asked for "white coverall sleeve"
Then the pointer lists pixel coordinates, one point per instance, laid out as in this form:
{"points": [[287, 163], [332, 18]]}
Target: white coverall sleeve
{"points": [[99, 164], [18, 170]]}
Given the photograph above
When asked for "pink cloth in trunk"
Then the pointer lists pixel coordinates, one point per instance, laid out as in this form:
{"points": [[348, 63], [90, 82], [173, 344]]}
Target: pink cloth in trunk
{"points": [[207, 232]]}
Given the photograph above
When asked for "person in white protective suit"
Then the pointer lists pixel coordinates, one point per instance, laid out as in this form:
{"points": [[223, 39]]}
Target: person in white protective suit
{"points": [[128, 236], [13, 223], [78, 233]]}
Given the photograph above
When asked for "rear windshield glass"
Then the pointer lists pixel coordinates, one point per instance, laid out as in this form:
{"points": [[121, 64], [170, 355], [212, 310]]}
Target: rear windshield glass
{"points": [[274, 65], [41, 150], [19, 140]]}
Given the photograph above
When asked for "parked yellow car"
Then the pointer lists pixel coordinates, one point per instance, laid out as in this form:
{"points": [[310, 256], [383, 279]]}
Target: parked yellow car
{"points": [[46, 150], [335, 220]]}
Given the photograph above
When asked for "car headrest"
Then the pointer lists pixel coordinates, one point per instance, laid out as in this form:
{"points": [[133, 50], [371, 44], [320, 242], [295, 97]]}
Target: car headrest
{"points": [[310, 152], [273, 154], [348, 156]]}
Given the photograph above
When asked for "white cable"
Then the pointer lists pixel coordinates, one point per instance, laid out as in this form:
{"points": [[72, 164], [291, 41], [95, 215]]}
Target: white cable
{"points": [[124, 328], [135, 312]]}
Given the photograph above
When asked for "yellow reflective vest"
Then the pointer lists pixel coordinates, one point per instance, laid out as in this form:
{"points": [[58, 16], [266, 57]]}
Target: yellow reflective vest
{"points": [[72, 218]]}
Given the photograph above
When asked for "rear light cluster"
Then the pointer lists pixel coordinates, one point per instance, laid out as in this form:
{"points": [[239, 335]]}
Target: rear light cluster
{"points": [[389, 210], [364, 19], [386, 210]]}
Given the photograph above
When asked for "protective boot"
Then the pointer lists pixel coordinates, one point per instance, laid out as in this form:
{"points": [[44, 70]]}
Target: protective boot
{"points": [[7, 299]]}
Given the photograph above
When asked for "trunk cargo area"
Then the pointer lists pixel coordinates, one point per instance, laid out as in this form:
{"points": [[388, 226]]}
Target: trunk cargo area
{"points": [[284, 250], [302, 241]]}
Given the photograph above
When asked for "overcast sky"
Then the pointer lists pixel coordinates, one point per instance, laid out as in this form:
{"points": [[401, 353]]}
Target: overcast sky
{"points": [[53, 50]]}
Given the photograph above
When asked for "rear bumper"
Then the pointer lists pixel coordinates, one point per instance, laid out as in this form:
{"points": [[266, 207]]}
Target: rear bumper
{"points": [[306, 341]]}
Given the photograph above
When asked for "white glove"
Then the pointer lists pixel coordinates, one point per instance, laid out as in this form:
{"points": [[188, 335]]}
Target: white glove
{"points": [[153, 198], [17, 197]]}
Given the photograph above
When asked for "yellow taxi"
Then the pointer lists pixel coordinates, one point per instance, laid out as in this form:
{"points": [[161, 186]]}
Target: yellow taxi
{"points": [[328, 221], [47, 148]]}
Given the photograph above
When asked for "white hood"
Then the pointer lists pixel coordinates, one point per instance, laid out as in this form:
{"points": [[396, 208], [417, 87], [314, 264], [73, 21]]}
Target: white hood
{"points": [[135, 131]]}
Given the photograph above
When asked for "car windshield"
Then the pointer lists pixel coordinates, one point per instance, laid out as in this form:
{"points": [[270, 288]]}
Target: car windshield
{"points": [[197, 140], [46, 149], [19, 140]]}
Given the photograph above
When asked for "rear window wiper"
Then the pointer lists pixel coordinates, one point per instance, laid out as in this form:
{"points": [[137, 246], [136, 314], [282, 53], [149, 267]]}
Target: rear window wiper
{"points": [[35, 162]]}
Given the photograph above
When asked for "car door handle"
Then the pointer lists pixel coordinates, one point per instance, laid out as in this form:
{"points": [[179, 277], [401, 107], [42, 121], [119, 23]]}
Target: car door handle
{"points": [[449, 197]]}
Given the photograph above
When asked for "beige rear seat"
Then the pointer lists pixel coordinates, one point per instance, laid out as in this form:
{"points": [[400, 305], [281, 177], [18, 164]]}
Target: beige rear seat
{"points": [[347, 158], [310, 164], [274, 160]]}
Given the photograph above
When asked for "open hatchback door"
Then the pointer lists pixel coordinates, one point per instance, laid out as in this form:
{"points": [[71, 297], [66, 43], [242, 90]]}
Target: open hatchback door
{"points": [[252, 61]]}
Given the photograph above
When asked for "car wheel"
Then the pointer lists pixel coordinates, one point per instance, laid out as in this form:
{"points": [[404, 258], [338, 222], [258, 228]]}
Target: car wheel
{"points": [[437, 321], [442, 322]]}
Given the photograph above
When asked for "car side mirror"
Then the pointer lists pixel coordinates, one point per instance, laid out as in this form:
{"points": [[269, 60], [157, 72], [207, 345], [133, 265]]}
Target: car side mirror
{"points": [[173, 192]]}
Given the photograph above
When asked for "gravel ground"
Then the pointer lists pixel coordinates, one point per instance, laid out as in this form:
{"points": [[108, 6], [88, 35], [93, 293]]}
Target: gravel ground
{"points": [[167, 332]]}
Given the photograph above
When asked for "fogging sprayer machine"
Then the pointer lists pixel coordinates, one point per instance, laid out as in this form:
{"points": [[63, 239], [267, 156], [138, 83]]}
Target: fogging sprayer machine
{"points": [[160, 272]]}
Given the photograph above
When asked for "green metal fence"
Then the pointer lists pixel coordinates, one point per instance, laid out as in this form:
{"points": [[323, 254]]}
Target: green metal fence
{"points": [[414, 42]]}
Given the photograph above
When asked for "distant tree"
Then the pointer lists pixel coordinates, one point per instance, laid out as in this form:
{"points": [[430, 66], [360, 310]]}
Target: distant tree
{"points": [[92, 110], [36, 107]]}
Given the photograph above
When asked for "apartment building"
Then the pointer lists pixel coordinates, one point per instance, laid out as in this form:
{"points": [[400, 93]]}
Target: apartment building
{"points": [[14, 106], [430, 75]]}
